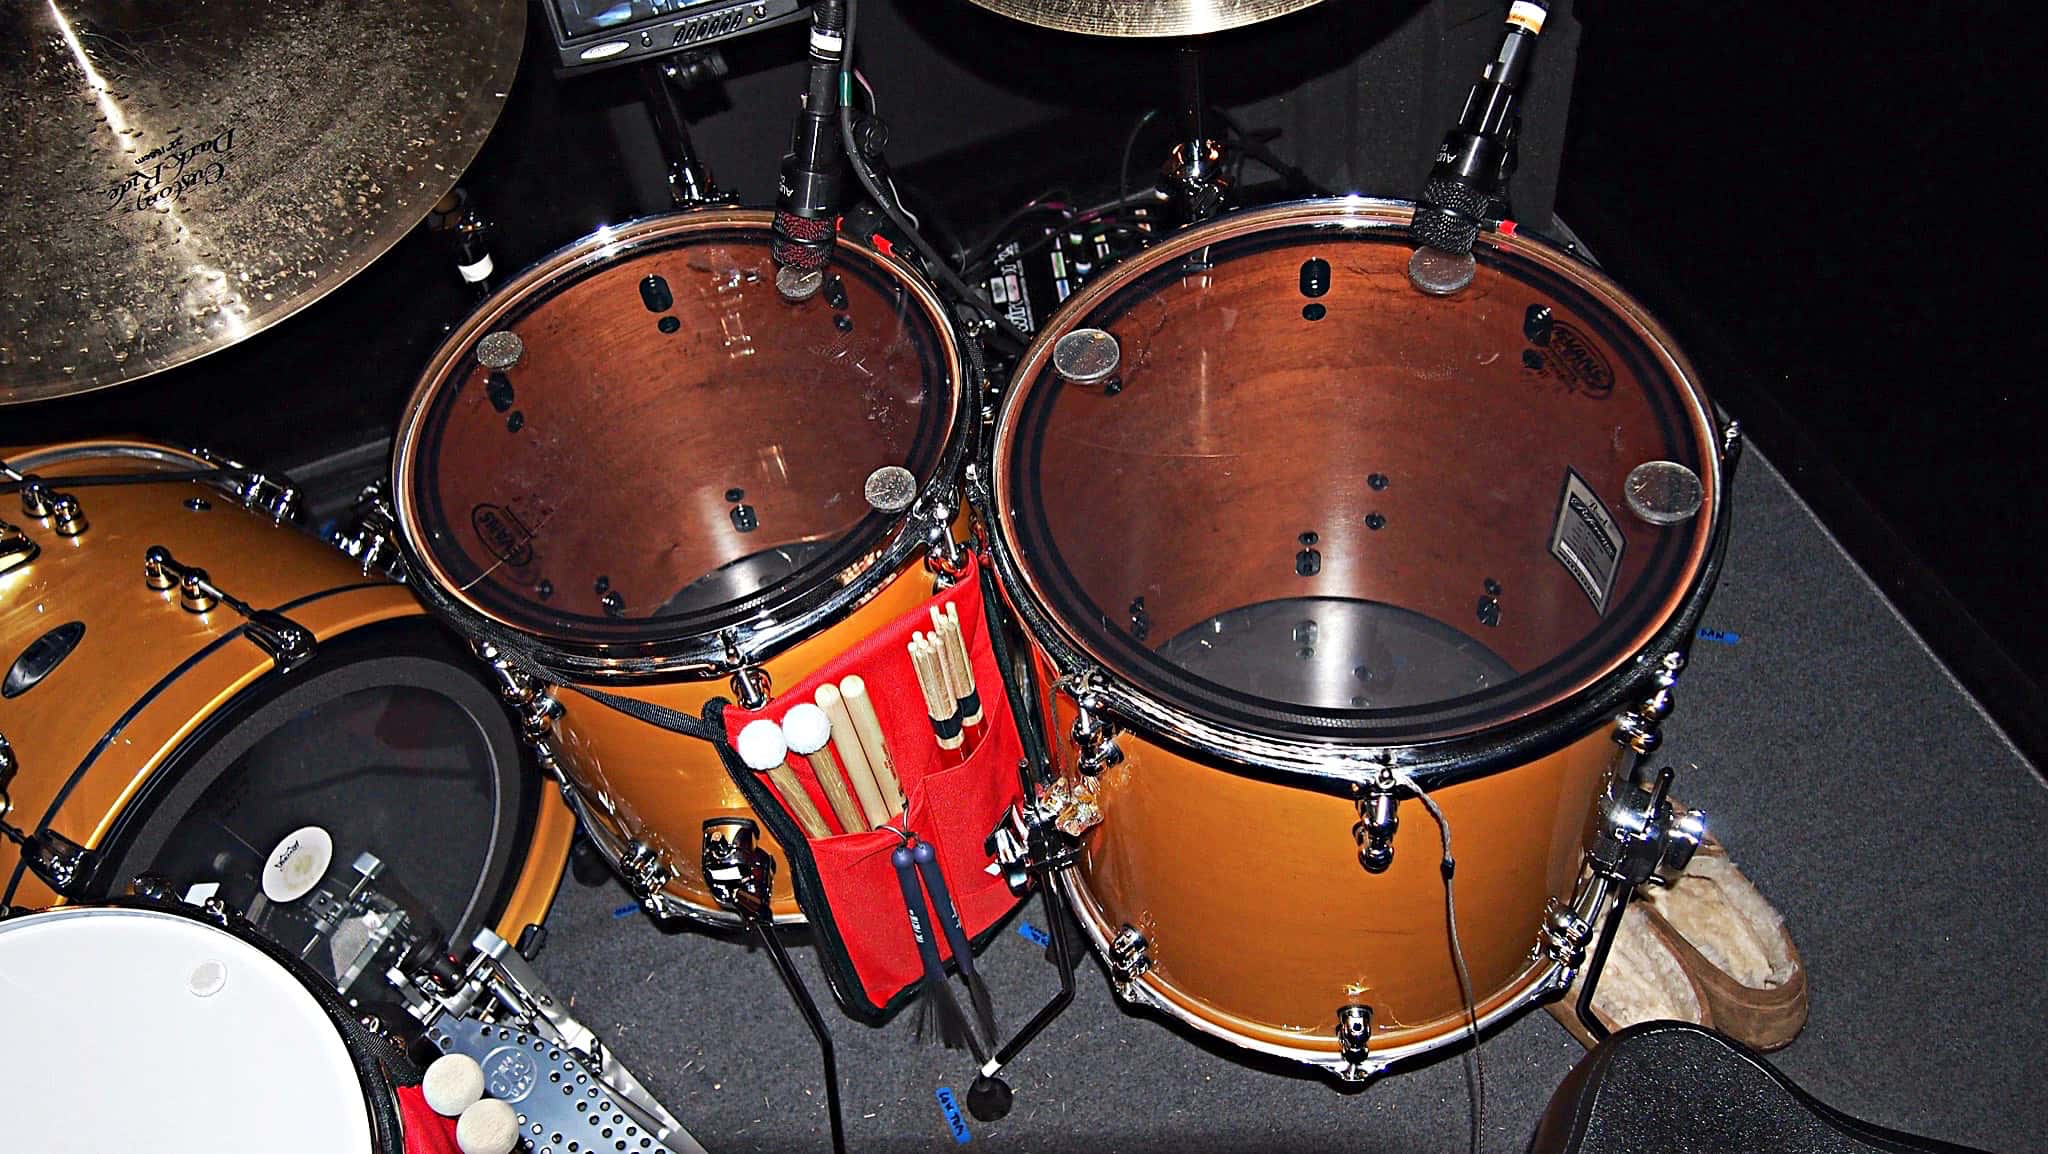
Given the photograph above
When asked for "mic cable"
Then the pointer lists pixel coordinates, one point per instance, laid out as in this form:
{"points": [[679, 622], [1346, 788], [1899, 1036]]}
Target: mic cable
{"points": [[1468, 182], [807, 196]]}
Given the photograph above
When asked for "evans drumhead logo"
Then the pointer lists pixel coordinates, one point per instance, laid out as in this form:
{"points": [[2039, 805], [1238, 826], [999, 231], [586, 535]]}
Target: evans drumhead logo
{"points": [[1565, 354], [502, 534]]}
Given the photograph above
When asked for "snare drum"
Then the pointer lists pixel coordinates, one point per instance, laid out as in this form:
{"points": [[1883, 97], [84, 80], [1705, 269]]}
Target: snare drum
{"points": [[637, 466], [1280, 525], [159, 730], [158, 1029]]}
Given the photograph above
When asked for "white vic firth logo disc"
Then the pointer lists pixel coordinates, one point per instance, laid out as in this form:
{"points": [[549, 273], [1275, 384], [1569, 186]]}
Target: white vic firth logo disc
{"points": [[297, 864]]}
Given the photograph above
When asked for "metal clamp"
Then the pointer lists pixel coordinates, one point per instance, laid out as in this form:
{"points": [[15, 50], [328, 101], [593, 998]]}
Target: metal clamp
{"points": [[1354, 1040], [751, 685], [372, 538], [17, 548], [1641, 728], [1094, 736], [288, 643], [278, 498], [1130, 958], [532, 703], [943, 555], [1379, 817]]}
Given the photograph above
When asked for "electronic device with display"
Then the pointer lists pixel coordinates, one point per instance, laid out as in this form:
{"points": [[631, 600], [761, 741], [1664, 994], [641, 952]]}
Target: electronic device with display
{"points": [[598, 33]]}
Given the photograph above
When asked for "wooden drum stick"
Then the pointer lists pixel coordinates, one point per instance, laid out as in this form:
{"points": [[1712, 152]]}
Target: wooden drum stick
{"points": [[862, 709], [939, 703], [962, 668], [809, 731], [762, 746], [846, 743]]}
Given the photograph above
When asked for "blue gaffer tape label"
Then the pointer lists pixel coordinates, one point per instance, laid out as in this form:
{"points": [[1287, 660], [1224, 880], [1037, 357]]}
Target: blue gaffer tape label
{"points": [[1033, 934], [1724, 636], [954, 1119]]}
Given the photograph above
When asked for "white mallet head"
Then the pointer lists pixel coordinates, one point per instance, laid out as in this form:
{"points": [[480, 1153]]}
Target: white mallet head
{"points": [[807, 728], [452, 1084], [761, 745], [488, 1127]]}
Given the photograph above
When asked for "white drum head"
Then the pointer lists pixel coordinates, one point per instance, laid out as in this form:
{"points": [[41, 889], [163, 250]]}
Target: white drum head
{"points": [[137, 1030]]}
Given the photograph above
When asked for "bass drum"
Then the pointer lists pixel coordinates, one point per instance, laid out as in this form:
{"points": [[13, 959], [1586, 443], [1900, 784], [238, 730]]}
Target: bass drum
{"points": [[638, 467], [381, 777], [1293, 526], [218, 1040]]}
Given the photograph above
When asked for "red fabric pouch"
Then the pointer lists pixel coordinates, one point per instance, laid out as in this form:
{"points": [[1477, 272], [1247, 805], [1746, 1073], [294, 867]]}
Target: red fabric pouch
{"points": [[845, 883]]}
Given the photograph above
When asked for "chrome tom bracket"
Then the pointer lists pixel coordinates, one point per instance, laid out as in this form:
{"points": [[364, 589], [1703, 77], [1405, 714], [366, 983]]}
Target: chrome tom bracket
{"points": [[371, 535], [1379, 818], [288, 643], [1641, 839], [277, 498]]}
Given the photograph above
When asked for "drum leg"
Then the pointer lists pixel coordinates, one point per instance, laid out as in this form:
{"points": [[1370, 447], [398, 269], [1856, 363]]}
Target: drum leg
{"points": [[740, 875]]}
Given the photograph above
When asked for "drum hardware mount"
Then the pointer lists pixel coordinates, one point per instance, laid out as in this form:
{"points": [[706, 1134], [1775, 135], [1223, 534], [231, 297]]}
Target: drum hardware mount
{"points": [[1642, 839], [1641, 729], [288, 643], [751, 685], [370, 538], [1094, 736], [499, 1011], [1354, 1039], [61, 510], [1379, 816], [1130, 958], [741, 875], [62, 864], [17, 548]]}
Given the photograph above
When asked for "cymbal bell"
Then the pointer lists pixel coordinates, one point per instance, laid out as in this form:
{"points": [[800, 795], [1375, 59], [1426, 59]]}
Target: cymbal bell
{"points": [[1135, 18], [187, 174]]}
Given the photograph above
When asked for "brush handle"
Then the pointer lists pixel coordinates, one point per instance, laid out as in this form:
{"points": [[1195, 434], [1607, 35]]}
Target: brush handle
{"points": [[913, 905], [942, 901]]}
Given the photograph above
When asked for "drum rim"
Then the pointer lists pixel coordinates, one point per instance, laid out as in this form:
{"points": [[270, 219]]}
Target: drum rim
{"points": [[1327, 757], [773, 626], [373, 1081]]}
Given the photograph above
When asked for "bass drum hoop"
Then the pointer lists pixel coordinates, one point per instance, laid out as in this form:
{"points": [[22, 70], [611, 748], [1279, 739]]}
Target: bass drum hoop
{"points": [[396, 652], [773, 627], [1330, 764], [380, 1096]]}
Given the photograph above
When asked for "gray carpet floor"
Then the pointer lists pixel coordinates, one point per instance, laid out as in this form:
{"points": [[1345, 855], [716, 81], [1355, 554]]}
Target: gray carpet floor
{"points": [[1852, 779]]}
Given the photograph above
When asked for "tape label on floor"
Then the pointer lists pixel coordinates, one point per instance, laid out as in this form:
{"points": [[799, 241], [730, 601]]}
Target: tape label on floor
{"points": [[954, 1119]]}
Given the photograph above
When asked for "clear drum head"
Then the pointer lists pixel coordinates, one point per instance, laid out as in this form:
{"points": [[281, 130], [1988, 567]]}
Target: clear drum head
{"points": [[1312, 502], [639, 442]]}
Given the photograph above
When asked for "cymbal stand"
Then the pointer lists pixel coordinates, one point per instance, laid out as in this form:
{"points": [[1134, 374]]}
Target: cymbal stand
{"points": [[1195, 174], [689, 182]]}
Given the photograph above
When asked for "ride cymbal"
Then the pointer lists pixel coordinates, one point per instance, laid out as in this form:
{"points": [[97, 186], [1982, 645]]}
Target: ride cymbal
{"points": [[190, 173], [1130, 18]]}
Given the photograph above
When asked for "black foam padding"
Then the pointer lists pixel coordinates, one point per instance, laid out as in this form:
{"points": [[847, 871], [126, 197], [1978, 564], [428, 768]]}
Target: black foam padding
{"points": [[1678, 1088]]}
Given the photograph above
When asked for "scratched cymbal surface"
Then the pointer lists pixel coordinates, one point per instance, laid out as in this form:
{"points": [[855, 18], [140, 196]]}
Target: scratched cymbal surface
{"points": [[1127, 18], [182, 174]]}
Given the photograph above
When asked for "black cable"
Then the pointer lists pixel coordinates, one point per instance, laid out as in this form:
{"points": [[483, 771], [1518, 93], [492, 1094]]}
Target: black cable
{"points": [[98, 480], [1123, 170], [873, 186]]}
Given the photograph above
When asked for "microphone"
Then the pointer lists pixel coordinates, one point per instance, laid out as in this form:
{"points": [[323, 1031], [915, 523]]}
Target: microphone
{"points": [[807, 197], [1468, 184]]}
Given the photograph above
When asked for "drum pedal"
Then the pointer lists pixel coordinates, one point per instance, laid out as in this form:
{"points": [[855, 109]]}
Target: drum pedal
{"points": [[572, 1094]]}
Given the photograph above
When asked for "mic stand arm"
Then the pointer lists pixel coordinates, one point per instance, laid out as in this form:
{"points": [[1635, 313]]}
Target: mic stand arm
{"points": [[1194, 172], [689, 182]]}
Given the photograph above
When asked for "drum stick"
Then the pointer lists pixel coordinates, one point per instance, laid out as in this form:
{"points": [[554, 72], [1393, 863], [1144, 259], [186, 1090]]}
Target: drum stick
{"points": [[865, 723], [939, 702], [846, 743], [809, 731], [766, 751], [964, 689]]}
